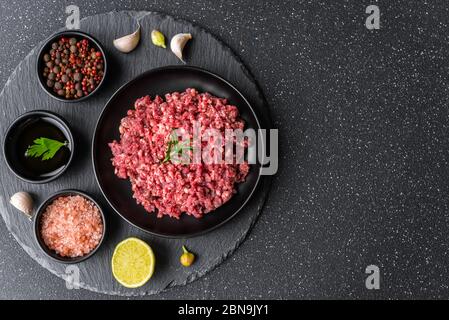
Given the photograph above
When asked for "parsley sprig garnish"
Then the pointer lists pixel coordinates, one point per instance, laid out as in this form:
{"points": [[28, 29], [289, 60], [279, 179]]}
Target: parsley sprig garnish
{"points": [[174, 147], [45, 148]]}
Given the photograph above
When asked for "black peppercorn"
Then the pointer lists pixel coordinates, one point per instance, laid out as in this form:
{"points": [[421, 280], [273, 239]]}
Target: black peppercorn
{"points": [[78, 76], [73, 68]]}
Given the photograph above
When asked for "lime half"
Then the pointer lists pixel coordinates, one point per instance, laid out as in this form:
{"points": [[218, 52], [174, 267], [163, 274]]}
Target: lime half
{"points": [[133, 263]]}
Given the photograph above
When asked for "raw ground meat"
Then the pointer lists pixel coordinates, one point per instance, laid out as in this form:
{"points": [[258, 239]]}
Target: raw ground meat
{"points": [[165, 187]]}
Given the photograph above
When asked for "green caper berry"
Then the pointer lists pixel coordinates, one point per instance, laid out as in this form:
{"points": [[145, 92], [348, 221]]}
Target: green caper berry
{"points": [[158, 38]]}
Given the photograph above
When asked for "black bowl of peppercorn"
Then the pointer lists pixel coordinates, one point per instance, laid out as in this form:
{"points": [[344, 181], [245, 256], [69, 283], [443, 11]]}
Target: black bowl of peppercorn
{"points": [[71, 66]]}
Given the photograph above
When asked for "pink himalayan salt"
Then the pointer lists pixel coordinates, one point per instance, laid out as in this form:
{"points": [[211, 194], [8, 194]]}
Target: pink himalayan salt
{"points": [[72, 226]]}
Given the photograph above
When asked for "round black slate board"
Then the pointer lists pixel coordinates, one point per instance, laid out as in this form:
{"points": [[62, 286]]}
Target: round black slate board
{"points": [[22, 93]]}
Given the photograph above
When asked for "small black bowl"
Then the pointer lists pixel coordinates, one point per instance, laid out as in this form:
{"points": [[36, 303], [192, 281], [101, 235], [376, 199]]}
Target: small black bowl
{"points": [[50, 253], [46, 48], [12, 141]]}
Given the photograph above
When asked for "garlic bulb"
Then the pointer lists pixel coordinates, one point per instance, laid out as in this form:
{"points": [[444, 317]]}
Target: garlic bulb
{"points": [[178, 43], [129, 42], [23, 202]]}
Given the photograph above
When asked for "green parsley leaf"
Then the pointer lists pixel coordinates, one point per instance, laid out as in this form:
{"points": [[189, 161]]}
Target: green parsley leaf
{"points": [[45, 148]]}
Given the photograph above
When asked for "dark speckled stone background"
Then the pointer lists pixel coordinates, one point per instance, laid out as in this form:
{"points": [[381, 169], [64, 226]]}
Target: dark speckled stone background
{"points": [[364, 148]]}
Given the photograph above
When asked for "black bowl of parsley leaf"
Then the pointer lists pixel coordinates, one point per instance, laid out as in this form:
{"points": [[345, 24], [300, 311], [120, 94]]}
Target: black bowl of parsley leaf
{"points": [[38, 146]]}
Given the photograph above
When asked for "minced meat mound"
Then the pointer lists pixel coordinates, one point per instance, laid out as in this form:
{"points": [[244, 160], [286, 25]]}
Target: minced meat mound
{"points": [[174, 188]]}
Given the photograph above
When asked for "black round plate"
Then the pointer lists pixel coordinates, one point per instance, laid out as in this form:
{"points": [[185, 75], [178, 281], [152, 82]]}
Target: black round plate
{"points": [[118, 191]]}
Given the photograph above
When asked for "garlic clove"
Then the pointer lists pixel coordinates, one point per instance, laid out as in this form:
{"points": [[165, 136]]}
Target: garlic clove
{"points": [[23, 202], [178, 43], [129, 42]]}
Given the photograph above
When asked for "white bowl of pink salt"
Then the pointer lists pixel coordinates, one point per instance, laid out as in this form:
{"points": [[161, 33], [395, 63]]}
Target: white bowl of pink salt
{"points": [[69, 226]]}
